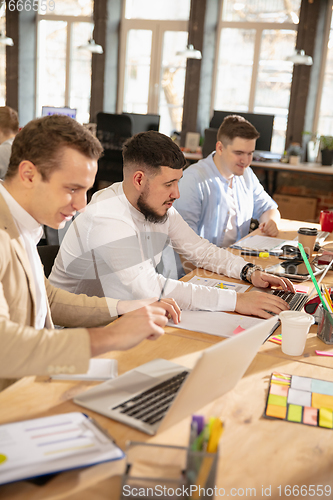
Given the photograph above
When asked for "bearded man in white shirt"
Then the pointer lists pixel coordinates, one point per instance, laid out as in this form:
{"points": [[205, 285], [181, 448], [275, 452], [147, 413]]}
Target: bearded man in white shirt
{"points": [[53, 164], [119, 240]]}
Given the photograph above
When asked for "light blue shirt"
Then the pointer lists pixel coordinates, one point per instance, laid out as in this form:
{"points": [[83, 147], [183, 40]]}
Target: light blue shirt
{"points": [[202, 201]]}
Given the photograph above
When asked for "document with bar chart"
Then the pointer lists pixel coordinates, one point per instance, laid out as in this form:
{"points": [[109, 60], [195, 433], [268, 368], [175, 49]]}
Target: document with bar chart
{"points": [[52, 444]]}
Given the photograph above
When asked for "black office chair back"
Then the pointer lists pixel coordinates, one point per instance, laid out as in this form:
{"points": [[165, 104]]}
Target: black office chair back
{"points": [[112, 131], [143, 123], [47, 255], [209, 144]]}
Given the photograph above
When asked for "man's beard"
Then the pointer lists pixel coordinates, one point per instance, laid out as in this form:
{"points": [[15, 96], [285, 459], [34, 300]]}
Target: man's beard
{"points": [[148, 212]]}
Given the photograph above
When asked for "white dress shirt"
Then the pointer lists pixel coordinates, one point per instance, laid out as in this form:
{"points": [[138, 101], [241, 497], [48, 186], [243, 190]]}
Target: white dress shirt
{"points": [[111, 245], [30, 234]]}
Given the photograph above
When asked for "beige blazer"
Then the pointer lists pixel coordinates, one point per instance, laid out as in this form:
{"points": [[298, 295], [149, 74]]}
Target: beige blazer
{"points": [[23, 349]]}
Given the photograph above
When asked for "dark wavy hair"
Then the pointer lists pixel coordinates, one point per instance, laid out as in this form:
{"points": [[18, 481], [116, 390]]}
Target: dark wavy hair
{"points": [[152, 150], [42, 141]]}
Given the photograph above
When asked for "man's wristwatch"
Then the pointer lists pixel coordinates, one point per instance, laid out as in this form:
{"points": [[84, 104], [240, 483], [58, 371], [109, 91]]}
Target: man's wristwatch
{"points": [[248, 270]]}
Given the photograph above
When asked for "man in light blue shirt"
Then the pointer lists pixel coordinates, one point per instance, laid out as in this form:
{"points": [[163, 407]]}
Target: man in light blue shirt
{"points": [[220, 194]]}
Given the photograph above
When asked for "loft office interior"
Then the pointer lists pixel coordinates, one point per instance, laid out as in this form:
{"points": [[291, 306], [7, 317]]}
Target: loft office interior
{"points": [[143, 67]]}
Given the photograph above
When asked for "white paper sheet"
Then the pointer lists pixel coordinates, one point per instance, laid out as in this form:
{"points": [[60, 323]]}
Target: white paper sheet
{"points": [[262, 243], [215, 323], [99, 370], [52, 444], [224, 285]]}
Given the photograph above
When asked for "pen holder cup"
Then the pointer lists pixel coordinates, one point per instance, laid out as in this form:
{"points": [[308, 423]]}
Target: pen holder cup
{"points": [[325, 325], [163, 472]]}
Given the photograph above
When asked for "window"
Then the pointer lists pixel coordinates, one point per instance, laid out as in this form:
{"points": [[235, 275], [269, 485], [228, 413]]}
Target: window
{"points": [[2, 56], [252, 73], [63, 69], [325, 122], [152, 75]]}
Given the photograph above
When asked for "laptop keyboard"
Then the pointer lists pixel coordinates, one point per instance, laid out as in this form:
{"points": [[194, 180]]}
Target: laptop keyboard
{"points": [[296, 300], [150, 406]]}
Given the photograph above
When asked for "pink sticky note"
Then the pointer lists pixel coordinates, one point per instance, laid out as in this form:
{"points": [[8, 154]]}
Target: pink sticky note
{"points": [[301, 288], [324, 353], [239, 329]]}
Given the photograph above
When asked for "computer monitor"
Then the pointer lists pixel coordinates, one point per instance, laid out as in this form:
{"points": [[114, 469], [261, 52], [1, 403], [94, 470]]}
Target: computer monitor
{"points": [[263, 123], [51, 110], [143, 123]]}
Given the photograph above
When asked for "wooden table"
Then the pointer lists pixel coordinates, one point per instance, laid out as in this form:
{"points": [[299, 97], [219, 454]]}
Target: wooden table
{"points": [[276, 167], [254, 452]]}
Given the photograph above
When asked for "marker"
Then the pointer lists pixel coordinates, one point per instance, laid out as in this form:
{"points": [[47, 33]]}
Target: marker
{"points": [[257, 253], [324, 353]]}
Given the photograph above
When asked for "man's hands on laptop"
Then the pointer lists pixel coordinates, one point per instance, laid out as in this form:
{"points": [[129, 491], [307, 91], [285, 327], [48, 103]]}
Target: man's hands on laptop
{"points": [[257, 303]]}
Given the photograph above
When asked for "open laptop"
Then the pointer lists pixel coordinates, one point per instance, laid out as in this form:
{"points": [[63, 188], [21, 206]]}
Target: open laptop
{"points": [[145, 398]]}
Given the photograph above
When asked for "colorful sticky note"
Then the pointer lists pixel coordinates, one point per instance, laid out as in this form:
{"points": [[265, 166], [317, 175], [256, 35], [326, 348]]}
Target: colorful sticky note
{"points": [[301, 288], [310, 416], [275, 400], [294, 413], [325, 418], [301, 383], [280, 376], [239, 329], [322, 401], [322, 387], [276, 339], [279, 390], [276, 411], [297, 397]]}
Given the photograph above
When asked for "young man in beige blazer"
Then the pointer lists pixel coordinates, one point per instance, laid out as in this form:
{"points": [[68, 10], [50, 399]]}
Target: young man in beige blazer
{"points": [[53, 164]]}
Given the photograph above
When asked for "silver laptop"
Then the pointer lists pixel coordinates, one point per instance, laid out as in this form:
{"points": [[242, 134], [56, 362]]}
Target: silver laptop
{"points": [[159, 394]]}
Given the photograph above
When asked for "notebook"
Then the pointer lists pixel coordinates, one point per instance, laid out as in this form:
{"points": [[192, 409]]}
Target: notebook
{"points": [[134, 400]]}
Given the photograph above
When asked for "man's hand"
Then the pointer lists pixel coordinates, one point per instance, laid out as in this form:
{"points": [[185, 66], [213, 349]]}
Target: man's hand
{"points": [[129, 330], [269, 228], [258, 303], [170, 306], [264, 280]]}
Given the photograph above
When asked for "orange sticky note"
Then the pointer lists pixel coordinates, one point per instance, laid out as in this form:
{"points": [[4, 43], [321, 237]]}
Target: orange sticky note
{"points": [[276, 411], [322, 401]]}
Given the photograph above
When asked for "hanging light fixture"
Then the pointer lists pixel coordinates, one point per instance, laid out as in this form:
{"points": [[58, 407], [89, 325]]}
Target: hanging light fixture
{"points": [[190, 53], [5, 40], [92, 46], [299, 57]]}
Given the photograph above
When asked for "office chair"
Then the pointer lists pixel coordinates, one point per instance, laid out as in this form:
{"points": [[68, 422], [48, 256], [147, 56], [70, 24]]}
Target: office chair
{"points": [[143, 123], [47, 254], [209, 144], [112, 130]]}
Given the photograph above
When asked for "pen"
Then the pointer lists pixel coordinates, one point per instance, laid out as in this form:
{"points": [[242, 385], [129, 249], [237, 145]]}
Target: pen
{"points": [[163, 288]]}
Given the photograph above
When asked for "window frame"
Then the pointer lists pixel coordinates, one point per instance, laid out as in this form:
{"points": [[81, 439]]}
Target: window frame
{"points": [[259, 27], [158, 28], [70, 20], [327, 29]]}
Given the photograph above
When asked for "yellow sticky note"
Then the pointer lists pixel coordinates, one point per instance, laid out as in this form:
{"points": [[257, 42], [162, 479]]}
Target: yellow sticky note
{"points": [[325, 418]]}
